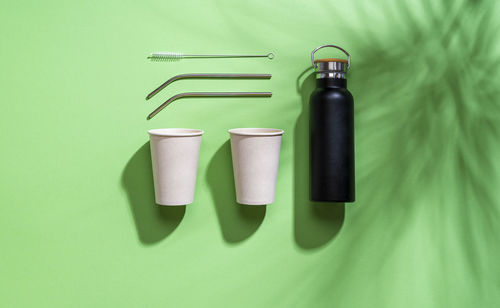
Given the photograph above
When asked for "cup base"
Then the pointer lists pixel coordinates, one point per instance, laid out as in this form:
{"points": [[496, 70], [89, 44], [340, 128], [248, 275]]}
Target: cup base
{"points": [[254, 202], [172, 203]]}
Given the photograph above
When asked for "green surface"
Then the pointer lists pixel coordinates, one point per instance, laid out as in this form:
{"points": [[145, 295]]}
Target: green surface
{"points": [[78, 226]]}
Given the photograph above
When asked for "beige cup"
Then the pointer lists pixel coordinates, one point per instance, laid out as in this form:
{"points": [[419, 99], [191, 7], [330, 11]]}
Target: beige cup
{"points": [[256, 154], [174, 154]]}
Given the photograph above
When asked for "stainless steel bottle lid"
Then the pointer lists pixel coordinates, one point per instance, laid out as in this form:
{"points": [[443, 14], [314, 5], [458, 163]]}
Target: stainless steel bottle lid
{"points": [[331, 67]]}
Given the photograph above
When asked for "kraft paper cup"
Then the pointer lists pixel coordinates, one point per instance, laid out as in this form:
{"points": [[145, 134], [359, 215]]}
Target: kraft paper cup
{"points": [[174, 155], [256, 154]]}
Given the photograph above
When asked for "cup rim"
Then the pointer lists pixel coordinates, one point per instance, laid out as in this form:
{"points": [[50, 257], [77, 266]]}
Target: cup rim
{"points": [[253, 131], [175, 132]]}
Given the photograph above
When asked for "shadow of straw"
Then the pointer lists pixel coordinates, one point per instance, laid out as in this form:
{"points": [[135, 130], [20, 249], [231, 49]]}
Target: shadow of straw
{"points": [[237, 221], [315, 224], [153, 222]]}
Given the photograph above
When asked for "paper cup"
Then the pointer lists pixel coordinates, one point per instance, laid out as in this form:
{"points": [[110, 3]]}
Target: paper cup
{"points": [[256, 154], [174, 154]]}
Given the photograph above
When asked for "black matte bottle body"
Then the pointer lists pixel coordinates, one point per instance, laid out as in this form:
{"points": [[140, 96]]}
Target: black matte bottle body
{"points": [[332, 142]]}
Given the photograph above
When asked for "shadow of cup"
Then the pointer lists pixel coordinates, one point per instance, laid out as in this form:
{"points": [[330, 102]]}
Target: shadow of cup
{"points": [[153, 222], [238, 222]]}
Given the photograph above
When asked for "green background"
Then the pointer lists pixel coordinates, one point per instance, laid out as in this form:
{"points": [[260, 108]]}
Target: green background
{"points": [[78, 225]]}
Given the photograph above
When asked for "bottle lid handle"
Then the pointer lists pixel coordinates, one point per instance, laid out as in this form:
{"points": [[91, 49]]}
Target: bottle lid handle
{"points": [[334, 46]]}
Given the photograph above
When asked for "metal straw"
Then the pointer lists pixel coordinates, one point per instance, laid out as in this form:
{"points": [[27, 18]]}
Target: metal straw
{"points": [[207, 94], [186, 76]]}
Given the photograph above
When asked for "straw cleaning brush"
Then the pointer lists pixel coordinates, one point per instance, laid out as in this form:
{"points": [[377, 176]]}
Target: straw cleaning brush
{"points": [[177, 56]]}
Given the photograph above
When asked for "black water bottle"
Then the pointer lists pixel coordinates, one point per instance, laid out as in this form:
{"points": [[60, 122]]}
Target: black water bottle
{"points": [[331, 132]]}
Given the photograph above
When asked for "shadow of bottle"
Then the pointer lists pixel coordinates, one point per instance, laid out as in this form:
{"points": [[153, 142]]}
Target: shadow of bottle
{"points": [[237, 221], [315, 224], [153, 222]]}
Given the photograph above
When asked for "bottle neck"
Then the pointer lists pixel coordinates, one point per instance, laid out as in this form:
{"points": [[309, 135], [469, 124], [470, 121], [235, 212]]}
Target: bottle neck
{"points": [[331, 83]]}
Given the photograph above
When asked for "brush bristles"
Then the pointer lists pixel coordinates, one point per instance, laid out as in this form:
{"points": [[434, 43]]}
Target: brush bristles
{"points": [[165, 56]]}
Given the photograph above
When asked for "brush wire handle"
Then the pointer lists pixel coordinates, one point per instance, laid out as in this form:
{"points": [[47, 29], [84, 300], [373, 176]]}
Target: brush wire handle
{"points": [[207, 94], [208, 76], [177, 56]]}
